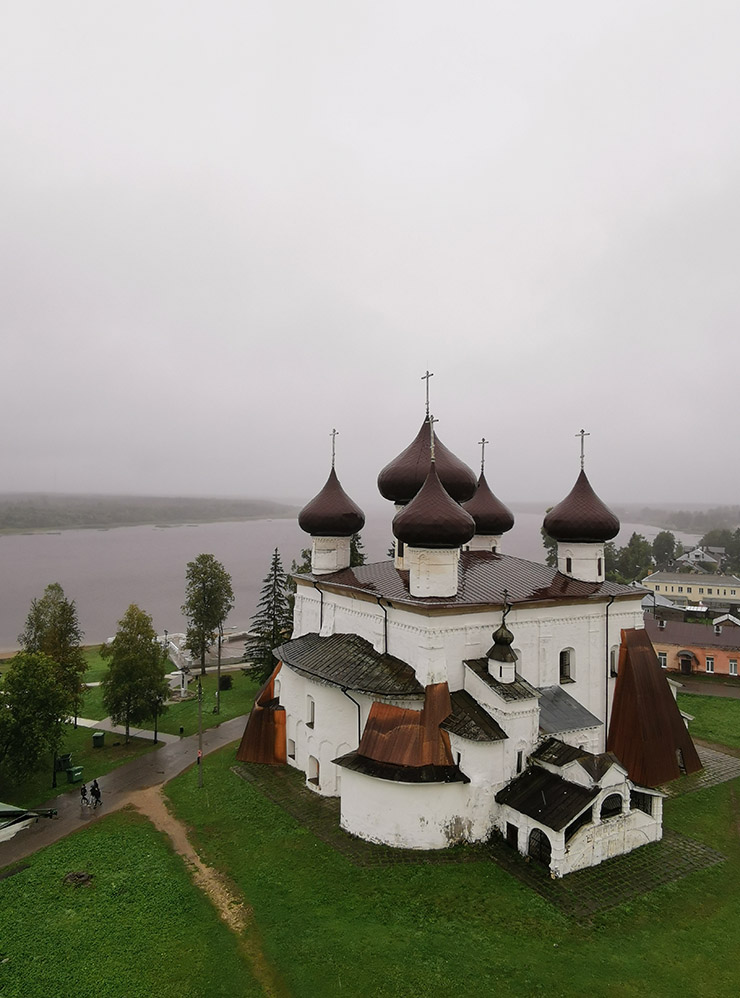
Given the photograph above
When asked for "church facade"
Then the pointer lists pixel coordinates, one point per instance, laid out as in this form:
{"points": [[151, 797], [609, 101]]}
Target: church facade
{"points": [[455, 692]]}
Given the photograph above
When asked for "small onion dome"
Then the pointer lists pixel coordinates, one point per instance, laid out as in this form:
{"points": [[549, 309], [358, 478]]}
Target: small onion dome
{"points": [[400, 480], [501, 650], [433, 519], [581, 517], [490, 515], [331, 513]]}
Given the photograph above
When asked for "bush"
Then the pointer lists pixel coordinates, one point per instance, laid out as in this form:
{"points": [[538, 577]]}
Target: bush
{"points": [[225, 682]]}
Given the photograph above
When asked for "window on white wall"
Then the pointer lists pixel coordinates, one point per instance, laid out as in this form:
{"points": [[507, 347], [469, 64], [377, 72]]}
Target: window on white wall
{"points": [[614, 660], [310, 712], [291, 748], [567, 665]]}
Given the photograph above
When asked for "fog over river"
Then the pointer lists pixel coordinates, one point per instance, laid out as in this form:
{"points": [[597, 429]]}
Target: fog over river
{"points": [[106, 570]]}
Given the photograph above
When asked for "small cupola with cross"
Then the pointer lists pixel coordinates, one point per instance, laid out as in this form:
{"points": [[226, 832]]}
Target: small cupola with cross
{"points": [[501, 657]]}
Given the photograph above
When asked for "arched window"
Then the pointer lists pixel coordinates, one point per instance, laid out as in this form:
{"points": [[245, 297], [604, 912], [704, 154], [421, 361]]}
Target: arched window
{"points": [[569, 565], [567, 665], [310, 712], [614, 660], [539, 848], [612, 806], [313, 770], [276, 687]]}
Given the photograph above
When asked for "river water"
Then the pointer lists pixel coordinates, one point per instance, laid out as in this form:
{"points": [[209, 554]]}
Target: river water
{"points": [[104, 571]]}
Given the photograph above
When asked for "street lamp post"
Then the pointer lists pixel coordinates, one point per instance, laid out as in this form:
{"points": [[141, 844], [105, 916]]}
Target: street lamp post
{"points": [[200, 733]]}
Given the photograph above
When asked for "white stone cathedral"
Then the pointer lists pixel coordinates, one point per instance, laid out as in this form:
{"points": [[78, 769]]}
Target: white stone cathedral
{"points": [[456, 692]]}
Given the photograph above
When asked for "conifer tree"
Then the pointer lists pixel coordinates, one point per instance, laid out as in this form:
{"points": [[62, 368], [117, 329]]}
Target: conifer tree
{"points": [[272, 623]]}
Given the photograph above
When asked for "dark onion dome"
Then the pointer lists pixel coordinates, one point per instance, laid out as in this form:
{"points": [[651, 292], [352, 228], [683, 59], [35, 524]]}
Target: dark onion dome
{"points": [[400, 480], [433, 519], [489, 513], [331, 513], [501, 651], [581, 517]]}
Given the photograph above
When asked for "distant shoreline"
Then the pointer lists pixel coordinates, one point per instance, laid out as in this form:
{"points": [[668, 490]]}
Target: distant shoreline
{"points": [[44, 514]]}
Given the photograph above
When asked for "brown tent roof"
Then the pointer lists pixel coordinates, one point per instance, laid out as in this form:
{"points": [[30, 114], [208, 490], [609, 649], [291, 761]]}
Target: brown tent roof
{"points": [[581, 516], [331, 513], [264, 736], [400, 480], [646, 731]]}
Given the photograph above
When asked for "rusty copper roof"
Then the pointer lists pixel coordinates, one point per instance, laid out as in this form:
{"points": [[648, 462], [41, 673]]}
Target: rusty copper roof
{"points": [[482, 579], [351, 662], [400, 480], [331, 513], [547, 797], [646, 731], [490, 514], [433, 519], [581, 516], [264, 735]]}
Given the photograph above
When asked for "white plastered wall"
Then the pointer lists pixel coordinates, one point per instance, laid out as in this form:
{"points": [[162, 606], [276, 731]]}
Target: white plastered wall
{"points": [[405, 815]]}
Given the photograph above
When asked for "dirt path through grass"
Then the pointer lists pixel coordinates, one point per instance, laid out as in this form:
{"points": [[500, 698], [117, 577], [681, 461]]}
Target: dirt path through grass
{"points": [[232, 909]]}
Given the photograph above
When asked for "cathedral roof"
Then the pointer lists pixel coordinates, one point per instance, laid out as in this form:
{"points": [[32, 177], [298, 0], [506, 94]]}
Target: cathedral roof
{"points": [[490, 514], [482, 579], [400, 480], [469, 720], [520, 689], [560, 712], [581, 516], [350, 661], [433, 519], [331, 513], [546, 797]]}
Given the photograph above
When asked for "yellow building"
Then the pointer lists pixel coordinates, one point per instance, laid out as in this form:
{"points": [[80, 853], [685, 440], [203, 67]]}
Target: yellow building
{"points": [[711, 590]]}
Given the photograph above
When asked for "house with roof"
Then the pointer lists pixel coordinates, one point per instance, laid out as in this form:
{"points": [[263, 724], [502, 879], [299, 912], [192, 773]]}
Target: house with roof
{"points": [[699, 556], [711, 648], [454, 691]]}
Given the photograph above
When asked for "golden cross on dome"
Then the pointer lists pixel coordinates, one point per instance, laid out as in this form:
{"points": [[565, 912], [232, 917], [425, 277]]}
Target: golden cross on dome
{"points": [[483, 443], [426, 377], [582, 434], [334, 434], [432, 421]]}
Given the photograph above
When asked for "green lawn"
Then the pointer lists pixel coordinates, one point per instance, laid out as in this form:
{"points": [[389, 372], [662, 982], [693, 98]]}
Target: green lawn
{"points": [[96, 666], [141, 929], [95, 763], [234, 702], [716, 719], [333, 928]]}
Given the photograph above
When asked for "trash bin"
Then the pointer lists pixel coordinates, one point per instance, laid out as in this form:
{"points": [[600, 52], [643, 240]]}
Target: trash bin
{"points": [[98, 739], [74, 774]]}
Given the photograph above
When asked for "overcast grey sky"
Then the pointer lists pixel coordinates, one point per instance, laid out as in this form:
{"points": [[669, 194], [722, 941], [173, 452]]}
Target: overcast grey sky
{"points": [[230, 226]]}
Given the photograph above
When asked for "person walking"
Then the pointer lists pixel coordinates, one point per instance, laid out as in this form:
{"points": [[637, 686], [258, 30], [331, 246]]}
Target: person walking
{"points": [[95, 794], [84, 802]]}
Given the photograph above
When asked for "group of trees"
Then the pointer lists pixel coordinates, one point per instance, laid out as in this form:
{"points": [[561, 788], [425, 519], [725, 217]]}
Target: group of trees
{"points": [[630, 563], [43, 685]]}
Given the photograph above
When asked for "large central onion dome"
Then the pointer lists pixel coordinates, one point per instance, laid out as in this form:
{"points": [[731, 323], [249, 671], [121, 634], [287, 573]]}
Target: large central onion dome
{"points": [[433, 519], [581, 517], [400, 480], [331, 513], [491, 516]]}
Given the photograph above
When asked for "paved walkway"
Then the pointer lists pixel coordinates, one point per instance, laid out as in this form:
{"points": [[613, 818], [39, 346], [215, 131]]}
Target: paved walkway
{"points": [[148, 770], [120, 729], [729, 690]]}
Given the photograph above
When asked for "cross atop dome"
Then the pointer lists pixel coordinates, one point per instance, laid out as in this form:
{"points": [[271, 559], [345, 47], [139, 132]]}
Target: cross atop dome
{"points": [[426, 377], [582, 434], [334, 434], [483, 443]]}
